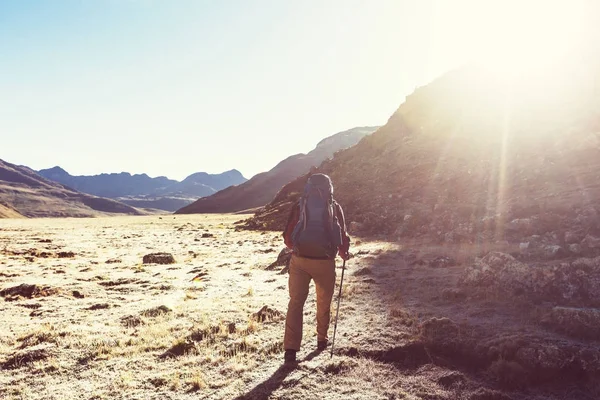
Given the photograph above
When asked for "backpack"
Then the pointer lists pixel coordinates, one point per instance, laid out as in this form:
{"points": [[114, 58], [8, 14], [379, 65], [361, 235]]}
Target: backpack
{"points": [[317, 233]]}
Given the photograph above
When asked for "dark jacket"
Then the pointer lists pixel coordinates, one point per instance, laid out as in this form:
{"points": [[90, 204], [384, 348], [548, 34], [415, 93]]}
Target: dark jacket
{"points": [[293, 220]]}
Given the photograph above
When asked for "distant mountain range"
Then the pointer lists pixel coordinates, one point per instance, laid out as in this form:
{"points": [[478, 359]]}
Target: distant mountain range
{"points": [[54, 192], [25, 193], [261, 189], [140, 190]]}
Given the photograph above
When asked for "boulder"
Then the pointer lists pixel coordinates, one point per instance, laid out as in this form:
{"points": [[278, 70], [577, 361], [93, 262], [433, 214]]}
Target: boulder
{"points": [[283, 260], [29, 291], [268, 314], [159, 258], [581, 323], [568, 284]]}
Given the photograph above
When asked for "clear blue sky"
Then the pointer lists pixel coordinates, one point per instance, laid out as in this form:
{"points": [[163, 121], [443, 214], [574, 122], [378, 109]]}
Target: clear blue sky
{"points": [[176, 87]]}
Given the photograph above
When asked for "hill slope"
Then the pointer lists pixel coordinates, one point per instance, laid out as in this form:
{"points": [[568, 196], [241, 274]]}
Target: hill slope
{"points": [[140, 190], [24, 192], [471, 158], [259, 190], [6, 212]]}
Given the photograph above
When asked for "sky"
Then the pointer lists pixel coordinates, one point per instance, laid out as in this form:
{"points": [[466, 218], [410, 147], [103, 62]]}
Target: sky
{"points": [[170, 88]]}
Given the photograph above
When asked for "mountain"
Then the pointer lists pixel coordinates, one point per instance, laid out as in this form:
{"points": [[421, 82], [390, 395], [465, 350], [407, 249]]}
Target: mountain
{"points": [[108, 185], [202, 184], [141, 190], [25, 193], [6, 212], [260, 189], [473, 157]]}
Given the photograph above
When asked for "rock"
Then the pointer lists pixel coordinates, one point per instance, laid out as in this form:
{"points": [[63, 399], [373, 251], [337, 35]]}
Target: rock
{"points": [[156, 311], [554, 251], [442, 262], [266, 251], [158, 258], [131, 321], [179, 349], [571, 237], [267, 314], [27, 291], [65, 254], [449, 237], [77, 294], [113, 261], [523, 246], [546, 359], [588, 264], [231, 328], [101, 306], [207, 235], [488, 394], [283, 259], [572, 284], [581, 323], [575, 248]]}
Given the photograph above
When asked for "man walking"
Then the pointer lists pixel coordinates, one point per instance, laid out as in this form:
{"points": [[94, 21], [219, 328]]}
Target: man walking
{"points": [[316, 232]]}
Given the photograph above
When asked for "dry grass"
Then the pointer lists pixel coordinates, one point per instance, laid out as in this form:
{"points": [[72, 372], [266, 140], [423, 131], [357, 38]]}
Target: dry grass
{"points": [[166, 336]]}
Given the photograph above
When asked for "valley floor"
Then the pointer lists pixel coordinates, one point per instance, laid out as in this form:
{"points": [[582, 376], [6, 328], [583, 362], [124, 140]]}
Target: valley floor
{"points": [[83, 317]]}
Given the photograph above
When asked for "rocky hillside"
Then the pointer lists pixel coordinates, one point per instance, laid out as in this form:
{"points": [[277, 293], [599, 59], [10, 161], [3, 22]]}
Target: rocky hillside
{"points": [[259, 190], [473, 158], [6, 212], [140, 190], [25, 193]]}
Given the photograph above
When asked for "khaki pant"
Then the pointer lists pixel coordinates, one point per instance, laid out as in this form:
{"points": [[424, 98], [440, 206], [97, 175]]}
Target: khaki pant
{"points": [[301, 271]]}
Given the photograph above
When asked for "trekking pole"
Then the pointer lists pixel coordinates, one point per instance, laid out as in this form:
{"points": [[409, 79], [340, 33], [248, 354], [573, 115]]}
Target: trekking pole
{"points": [[338, 308]]}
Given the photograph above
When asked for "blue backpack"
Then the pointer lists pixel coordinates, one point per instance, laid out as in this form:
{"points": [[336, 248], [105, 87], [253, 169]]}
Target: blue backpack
{"points": [[318, 232]]}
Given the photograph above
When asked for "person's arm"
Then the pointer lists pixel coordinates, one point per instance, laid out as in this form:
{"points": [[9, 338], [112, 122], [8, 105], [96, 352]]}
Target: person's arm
{"points": [[345, 246], [291, 223]]}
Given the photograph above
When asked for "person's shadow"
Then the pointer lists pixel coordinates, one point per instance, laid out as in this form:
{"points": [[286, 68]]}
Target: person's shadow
{"points": [[263, 390]]}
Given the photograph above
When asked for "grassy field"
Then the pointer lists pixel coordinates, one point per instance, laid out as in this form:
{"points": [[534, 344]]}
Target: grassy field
{"points": [[101, 324]]}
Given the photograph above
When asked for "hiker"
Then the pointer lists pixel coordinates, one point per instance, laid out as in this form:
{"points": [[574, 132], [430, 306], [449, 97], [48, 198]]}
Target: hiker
{"points": [[316, 233]]}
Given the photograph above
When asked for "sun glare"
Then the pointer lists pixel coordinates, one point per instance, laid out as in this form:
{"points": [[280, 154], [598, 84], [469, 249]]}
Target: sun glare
{"points": [[523, 38]]}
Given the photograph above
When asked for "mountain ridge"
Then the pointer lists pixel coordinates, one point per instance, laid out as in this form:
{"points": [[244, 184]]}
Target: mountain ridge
{"points": [[25, 193], [469, 158], [261, 188], [142, 190]]}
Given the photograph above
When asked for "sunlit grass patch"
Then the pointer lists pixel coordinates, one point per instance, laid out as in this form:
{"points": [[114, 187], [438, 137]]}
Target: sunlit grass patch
{"points": [[47, 333]]}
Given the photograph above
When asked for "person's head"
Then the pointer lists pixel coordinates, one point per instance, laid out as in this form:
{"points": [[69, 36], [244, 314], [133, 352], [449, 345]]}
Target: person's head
{"points": [[320, 181]]}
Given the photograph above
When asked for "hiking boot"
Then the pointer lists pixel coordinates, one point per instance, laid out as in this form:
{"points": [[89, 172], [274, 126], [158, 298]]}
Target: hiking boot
{"points": [[322, 345], [290, 356]]}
